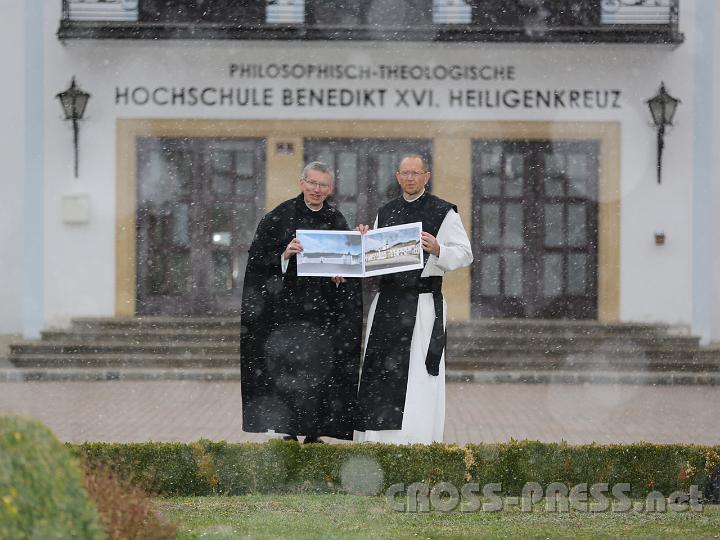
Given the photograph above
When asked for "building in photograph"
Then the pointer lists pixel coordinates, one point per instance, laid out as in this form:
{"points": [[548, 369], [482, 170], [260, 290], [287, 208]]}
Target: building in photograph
{"points": [[194, 118], [329, 258], [391, 252]]}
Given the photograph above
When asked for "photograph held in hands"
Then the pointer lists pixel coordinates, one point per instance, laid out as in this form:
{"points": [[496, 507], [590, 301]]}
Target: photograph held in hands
{"points": [[351, 254]]}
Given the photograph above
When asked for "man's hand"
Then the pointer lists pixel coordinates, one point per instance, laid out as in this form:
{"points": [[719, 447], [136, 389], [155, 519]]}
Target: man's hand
{"points": [[337, 280], [293, 248], [430, 244], [362, 229]]}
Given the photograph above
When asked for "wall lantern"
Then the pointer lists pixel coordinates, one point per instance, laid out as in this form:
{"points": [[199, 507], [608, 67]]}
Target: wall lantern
{"points": [[73, 101], [662, 107]]}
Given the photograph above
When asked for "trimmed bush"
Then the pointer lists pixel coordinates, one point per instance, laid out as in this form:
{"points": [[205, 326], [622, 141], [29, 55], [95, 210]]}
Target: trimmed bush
{"points": [[157, 467], [237, 469], [645, 466], [41, 486], [207, 467]]}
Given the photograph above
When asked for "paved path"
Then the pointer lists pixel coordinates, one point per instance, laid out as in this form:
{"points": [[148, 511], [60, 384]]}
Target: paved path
{"points": [[187, 411]]}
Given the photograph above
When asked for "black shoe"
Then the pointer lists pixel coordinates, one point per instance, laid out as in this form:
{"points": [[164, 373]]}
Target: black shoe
{"points": [[312, 439], [290, 438]]}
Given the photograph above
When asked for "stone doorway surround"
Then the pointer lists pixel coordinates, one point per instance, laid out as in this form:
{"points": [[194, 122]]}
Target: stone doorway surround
{"points": [[452, 171]]}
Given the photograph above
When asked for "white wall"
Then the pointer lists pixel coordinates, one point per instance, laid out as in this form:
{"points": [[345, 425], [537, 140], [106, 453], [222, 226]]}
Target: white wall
{"points": [[11, 181], [655, 281], [716, 184], [79, 259]]}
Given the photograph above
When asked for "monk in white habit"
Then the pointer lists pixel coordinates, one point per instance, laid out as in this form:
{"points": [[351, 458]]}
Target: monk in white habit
{"points": [[401, 394]]}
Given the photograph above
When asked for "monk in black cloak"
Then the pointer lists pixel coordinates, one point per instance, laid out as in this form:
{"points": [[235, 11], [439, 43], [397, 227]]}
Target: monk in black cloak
{"points": [[401, 396], [300, 342]]}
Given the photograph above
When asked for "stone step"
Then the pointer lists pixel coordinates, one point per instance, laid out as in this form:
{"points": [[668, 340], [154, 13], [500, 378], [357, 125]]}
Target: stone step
{"points": [[142, 335], [482, 334], [546, 326], [479, 349], [485, 377], [486, 363], [114, 374], [115, 360], [93, 323], [547, 343], [474, 328], [177, 349], [580, 377], [705, 353], [480, 331], [487, 349], [229, 335], [580, 363]]}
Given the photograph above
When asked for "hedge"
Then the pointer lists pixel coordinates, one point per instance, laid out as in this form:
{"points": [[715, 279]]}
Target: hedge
{"points": [[41, 486], [207, 467]]}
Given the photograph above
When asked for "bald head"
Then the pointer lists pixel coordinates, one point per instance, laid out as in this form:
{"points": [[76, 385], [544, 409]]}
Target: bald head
{"points": [[412, 175]]}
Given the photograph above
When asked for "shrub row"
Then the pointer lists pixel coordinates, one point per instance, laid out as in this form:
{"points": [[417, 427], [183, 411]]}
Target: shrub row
{"points": [[207, 467]]}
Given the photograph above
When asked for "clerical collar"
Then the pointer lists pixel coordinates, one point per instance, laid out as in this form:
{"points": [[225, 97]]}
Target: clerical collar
{"points": [[415, 198], [310, 207]]}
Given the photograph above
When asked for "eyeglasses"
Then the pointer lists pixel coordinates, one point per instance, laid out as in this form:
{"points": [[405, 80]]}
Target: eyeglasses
{"points": [[313, 184], [411, 174]]}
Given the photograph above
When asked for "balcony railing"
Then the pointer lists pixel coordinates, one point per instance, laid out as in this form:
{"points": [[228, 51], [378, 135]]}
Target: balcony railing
{"points": [[586, 21]]}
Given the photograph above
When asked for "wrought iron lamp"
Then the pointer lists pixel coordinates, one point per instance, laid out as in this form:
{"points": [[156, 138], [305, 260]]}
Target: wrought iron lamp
{"points": [[662, 107], [73, 101]]}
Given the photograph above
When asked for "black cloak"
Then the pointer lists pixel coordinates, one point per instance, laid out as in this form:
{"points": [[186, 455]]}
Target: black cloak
{"points": [[300, 336]]}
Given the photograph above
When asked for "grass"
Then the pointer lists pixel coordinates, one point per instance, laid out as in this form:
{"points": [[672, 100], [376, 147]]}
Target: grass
{"points": [[346, 516]]}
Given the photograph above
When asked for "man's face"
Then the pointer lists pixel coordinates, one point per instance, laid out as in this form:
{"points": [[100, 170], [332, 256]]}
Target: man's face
{"points": [[412, 176], [316, 188]]}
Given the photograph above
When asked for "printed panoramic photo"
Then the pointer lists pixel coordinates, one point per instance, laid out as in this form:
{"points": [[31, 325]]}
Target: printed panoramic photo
{"points": [[330, 253]]}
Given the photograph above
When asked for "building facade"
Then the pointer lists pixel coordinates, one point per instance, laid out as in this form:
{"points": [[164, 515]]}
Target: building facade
{"points": [[535, 123]]}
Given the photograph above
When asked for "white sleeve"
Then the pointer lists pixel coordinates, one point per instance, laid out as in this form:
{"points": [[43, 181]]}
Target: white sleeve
{"points": [[455, 251], [284, 263]]}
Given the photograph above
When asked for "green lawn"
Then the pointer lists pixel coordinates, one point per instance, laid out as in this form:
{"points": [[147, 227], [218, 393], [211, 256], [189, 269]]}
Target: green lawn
{"points": [[345, 516]]}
